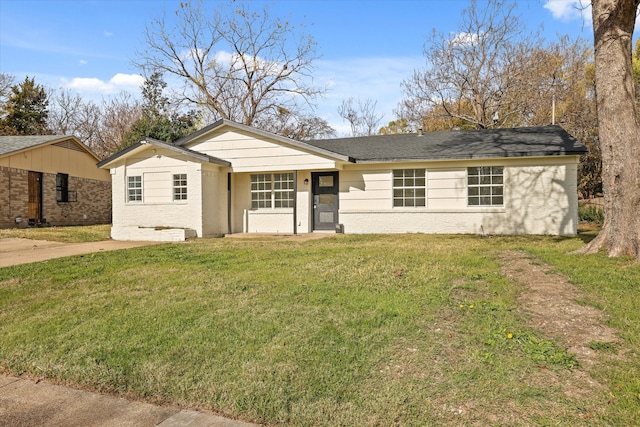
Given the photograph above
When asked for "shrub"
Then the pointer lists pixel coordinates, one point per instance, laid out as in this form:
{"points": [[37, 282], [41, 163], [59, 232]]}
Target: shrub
{"points": [[589, 213]]}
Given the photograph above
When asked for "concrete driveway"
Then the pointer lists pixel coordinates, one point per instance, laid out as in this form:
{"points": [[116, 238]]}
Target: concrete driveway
{"points": [[22, 251]]}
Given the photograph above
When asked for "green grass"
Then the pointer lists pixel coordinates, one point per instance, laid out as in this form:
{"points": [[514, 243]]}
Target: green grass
{"points": [[75, 234], [347, 330]]}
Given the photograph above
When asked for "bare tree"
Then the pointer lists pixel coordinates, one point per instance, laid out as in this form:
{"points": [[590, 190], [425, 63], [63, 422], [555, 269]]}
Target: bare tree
{"points": [[469, 74], [101, 127], [361, 115], [118, 115], [619, 127], [6, 82], [235, 63], [70, 114], [299, 127]]}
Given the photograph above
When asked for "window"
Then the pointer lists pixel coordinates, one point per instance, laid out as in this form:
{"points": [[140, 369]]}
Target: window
{"points": [[271, 190], [62, 187], [283, 190], [409, 187], [485, 186], [134, 188], [260, 191], [180, 186]]}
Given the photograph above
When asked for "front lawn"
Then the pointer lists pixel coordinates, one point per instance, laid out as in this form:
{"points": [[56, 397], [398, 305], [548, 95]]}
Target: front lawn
{"points": [[72, 234], [346, 330]]}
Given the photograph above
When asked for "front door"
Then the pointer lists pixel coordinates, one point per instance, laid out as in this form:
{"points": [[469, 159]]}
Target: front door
{"points": [[325, 200], [35, 196]]}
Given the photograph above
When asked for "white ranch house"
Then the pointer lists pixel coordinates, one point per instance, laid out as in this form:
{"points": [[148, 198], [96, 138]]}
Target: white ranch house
{"points": [[231, 178]]}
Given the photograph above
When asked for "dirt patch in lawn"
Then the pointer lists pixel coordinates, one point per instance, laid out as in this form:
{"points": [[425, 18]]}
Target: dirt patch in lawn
{"points": [[553, 305]]}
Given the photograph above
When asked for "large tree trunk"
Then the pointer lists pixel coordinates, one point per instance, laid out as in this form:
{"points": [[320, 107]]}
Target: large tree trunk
{"points": [[618, 127]]}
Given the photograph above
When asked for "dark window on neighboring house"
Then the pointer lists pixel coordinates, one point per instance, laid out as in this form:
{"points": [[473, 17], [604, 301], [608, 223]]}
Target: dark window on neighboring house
{"points": [[62, 187]]}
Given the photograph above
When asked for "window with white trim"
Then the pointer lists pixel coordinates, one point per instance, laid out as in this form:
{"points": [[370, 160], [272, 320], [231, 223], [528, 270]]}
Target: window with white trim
{"points": [[485, 186], [271, 190], [180, 186], [134, 188], [409, 188]]}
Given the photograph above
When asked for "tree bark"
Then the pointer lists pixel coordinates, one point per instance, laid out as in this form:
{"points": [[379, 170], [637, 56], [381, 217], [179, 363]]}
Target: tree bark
{"points": [[619, 129]]}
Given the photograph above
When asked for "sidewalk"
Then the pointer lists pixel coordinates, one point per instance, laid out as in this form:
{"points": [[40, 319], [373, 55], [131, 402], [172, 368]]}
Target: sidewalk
{"points": [[22, 251], [24, 403]]}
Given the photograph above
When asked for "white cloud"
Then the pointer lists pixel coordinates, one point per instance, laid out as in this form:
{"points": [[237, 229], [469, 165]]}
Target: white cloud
{"points": [[108, 33], [568, 10], [126, 82], [464, 39], [83, 62]]}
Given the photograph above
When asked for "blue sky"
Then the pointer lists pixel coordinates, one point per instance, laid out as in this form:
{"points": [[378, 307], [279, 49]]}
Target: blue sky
{"points": [[367, 47]]}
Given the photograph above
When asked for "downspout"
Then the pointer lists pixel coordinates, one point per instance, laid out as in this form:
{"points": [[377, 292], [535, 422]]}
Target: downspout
{"points": [[229, 230], [295, 202]]}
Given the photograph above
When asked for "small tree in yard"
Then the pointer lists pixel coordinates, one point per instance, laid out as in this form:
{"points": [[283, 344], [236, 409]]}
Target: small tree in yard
{"points": [[619, 127], [25, 111]]}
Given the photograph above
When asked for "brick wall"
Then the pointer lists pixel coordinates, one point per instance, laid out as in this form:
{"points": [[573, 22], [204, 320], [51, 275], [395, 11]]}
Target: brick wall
{"points": [[93, 205], [14, 197]]}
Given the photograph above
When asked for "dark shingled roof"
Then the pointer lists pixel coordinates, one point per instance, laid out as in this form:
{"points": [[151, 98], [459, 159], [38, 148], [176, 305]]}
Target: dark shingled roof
{"points": [[453, 145]]}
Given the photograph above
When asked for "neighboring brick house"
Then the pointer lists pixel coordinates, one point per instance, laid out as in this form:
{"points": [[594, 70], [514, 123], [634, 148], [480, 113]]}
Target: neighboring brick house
{"points": [[232, 178], [51, 180]]}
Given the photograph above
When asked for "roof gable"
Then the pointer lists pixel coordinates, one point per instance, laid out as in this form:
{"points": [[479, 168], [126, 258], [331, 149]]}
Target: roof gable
{"points": [[214, 127], [19, 143]]}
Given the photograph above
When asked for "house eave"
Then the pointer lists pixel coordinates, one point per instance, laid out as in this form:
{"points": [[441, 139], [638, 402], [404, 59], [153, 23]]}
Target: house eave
{"points": [[142, 145], [466, 157]]}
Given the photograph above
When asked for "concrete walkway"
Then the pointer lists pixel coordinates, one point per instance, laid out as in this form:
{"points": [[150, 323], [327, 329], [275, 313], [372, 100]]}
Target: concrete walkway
{"points": [[24, 403], [22, 251]]}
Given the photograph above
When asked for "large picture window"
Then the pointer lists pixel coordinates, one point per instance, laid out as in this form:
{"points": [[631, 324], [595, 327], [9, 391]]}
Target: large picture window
{"points": [[271, 190], [134, 188], [409, 188], [485, 186], [180, 186]]}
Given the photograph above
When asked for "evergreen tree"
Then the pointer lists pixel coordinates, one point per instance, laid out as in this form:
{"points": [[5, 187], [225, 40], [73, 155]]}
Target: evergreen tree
{"points": [[25, 112], [156, 121]]}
